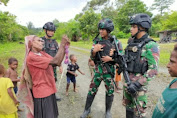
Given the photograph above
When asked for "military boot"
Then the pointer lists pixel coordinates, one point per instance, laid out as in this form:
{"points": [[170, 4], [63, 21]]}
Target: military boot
{"points": [[88, 104], [109, 100], [130, 113]]}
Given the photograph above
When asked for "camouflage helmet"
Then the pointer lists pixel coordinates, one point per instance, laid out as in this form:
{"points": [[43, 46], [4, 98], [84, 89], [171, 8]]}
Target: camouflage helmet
{"points": [[106, 24], [141, 19], [49, 26]]}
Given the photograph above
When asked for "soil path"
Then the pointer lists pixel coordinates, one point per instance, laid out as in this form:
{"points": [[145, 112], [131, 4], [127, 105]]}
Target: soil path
{"points": [[72, 106]]}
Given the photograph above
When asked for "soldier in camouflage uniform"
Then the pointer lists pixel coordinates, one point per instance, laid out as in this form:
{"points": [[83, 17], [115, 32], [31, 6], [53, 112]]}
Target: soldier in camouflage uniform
{"points": [[142, 56], [51, 46], [105, 26]]}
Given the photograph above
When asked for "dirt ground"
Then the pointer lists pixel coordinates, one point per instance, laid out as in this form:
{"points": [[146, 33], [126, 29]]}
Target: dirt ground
{"points": [[72, 106]]}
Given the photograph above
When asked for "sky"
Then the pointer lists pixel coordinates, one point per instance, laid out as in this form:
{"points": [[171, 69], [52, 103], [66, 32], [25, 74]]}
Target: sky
{"points": [[41, 11]]}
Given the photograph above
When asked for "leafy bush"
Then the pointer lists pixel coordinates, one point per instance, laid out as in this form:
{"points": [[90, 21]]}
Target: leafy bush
{"points": [[9, 29]]}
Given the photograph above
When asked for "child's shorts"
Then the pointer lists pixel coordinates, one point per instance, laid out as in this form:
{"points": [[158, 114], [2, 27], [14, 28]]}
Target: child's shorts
{"points": [[15, 89], [72, 79]]}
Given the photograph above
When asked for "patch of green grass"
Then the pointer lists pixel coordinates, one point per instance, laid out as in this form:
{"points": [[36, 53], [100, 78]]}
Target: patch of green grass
{"points": [[124, 42], [82, 44], [156, 39], [12, 49], [165, 51], [82, 51]]}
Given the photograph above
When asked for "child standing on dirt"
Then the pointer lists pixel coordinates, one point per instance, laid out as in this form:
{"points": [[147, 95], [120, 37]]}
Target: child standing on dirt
{"points": [[71, 72], [8, 101], [166, 106], [91, 65], [12, 72]]}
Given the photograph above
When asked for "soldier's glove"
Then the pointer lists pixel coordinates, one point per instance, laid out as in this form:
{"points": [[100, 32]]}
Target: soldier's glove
{"points": [[133, 87]]}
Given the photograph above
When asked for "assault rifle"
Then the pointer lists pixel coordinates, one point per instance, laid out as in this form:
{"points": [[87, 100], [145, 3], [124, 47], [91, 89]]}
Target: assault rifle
{"points": [[119, 59]]}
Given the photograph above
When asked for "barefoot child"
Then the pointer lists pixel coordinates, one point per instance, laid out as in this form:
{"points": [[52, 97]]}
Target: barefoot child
{"points": [[71, 72], [12, 73], [166, 106], [8, 101]]}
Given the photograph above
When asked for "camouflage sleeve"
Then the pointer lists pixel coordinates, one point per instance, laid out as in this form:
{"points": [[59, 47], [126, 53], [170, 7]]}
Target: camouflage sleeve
{"points": [[152, 55]]}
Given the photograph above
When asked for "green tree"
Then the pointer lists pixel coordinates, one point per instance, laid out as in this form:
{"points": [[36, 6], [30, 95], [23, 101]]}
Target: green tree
{"points": [[170, 23], [120, 3], [32, 29], [4, 2], [19, 32], [30, 25], [109, 12], [9, 29], [56, 22], [156, 25], [162, 5], [88, 24], [71, 28], [130, 8], [77, 16], [62, 29], [95, 4]]}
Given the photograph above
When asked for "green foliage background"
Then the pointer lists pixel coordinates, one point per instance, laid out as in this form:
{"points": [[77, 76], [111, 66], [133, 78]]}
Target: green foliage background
{"points": [[9, 29], [84, 25], [83, 28]]}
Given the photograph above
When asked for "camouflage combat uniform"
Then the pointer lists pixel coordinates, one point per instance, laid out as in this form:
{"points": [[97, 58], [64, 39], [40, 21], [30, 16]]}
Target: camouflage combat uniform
{"points": [[102, 74], [150, 53]]}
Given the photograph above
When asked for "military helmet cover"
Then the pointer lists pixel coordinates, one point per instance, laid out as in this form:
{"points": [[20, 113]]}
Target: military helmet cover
{"points": [[49, 26], [141, 19], [106, 24]]}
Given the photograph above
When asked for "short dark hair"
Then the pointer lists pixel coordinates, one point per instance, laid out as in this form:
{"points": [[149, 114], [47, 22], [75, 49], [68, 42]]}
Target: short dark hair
{"points": [[2, 70], [71, 55], [11, 60]]}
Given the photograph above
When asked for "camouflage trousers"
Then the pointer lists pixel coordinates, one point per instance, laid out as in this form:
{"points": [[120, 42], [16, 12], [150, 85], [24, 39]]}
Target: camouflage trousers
{"points": [[141, 100], [96, 81]]}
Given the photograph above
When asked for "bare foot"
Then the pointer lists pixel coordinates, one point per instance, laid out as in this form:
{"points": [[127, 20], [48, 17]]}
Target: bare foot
{"points": [[66, 93], [75, 90]]}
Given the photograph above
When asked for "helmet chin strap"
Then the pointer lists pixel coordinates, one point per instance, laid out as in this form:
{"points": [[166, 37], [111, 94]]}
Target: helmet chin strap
{"points": [[139, 30], [47, 34]]}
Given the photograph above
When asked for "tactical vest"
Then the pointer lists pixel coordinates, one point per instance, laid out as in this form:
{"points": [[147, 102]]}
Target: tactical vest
{"points": [[107, 45], [50, 46], [133, 57]]}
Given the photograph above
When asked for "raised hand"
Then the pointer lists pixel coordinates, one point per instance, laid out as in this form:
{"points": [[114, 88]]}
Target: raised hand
{"points": [[97, 48], [65, 40]]}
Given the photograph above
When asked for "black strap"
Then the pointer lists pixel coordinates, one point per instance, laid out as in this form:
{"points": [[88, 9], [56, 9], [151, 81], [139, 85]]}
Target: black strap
{"points": [[145, 41]]}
